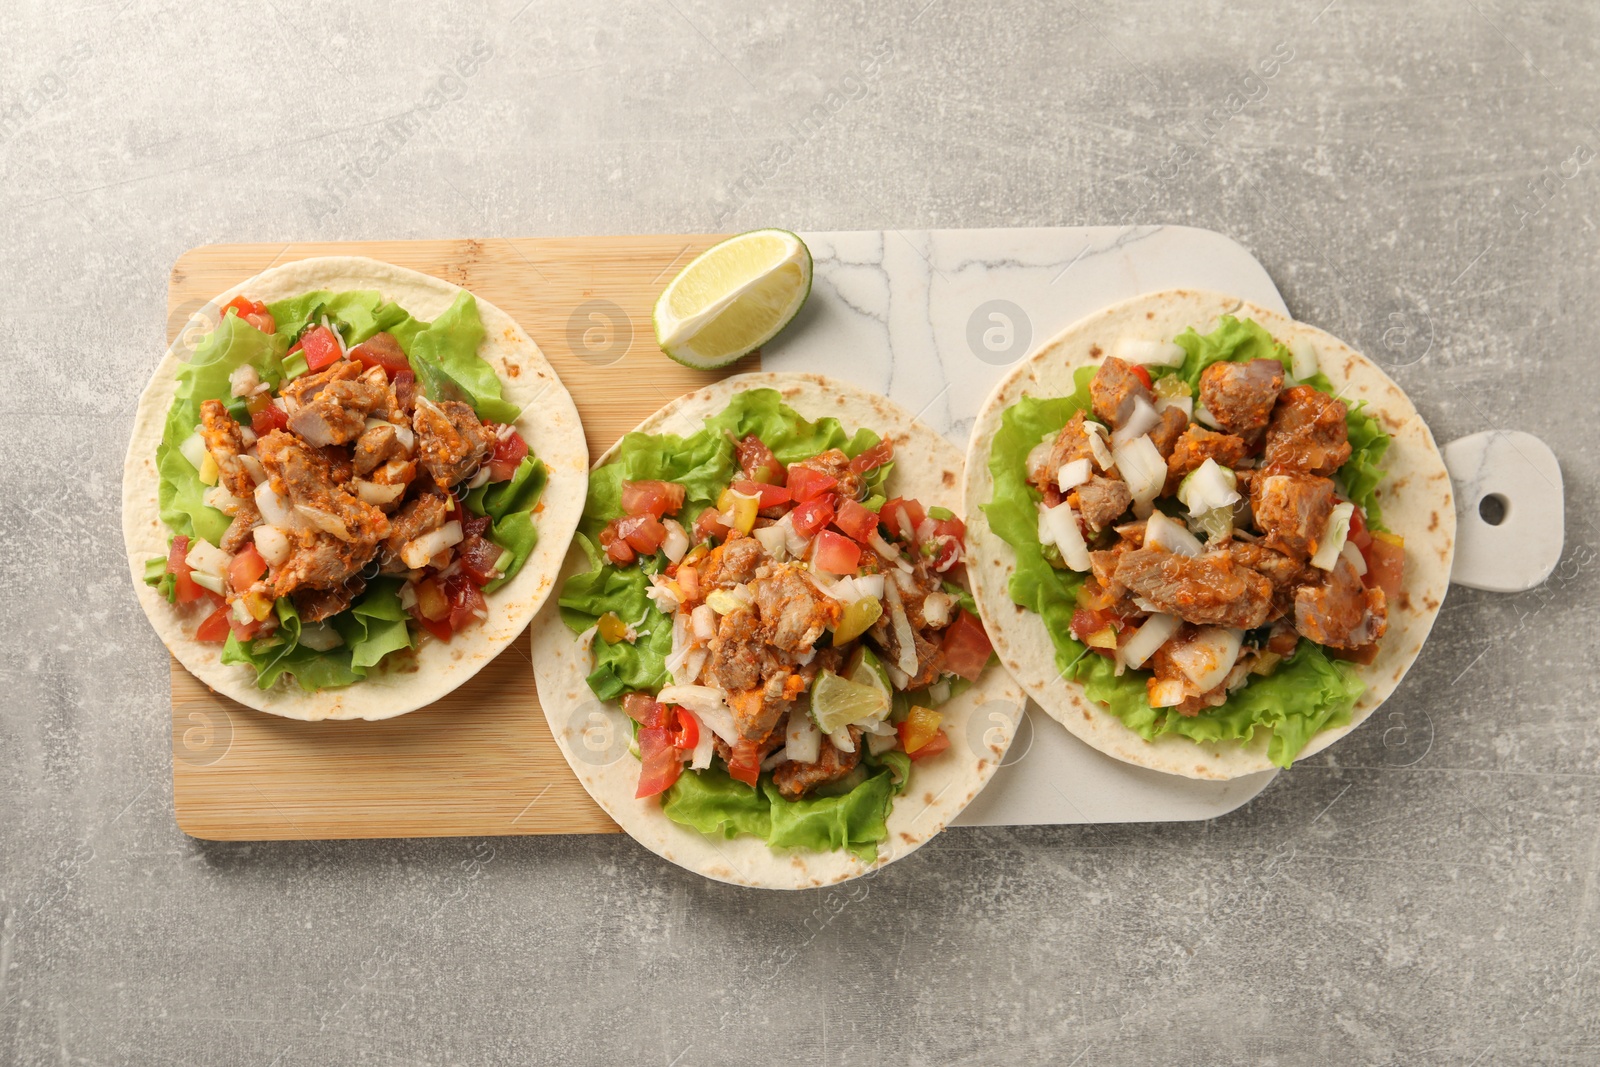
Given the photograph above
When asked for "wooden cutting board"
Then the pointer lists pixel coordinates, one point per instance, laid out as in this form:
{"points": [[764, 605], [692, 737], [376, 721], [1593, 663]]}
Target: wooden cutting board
{"points": [[481, 761]]}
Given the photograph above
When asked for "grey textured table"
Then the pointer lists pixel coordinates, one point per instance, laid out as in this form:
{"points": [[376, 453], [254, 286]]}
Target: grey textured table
{"points": [[1421, 182]]}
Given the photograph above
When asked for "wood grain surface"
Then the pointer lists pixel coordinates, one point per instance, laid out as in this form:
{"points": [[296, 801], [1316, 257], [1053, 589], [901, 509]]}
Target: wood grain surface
{"points": [[481, 761]]}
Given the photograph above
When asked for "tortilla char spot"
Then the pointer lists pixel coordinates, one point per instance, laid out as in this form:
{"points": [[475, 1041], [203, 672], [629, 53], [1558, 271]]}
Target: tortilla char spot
{"points": [[1086, 716], [1433, 521], [1430, 603], [1094, 351], [1405, 600], [516, 372], [927, 798], [907, 838], [1149, 314], [948, 477]]}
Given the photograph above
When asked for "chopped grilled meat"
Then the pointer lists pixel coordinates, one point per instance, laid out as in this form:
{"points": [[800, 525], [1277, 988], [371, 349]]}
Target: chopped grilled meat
{"points": [[245, 519], [1339, 611], [930, 655], [1114, 388], [1283, 639], [793, 613], [338, 413], [836, 465], [795, 780], [735, 662], [405, 394], [376, 447], [320, 561], [1240, 396], [305, 388], [1280, 569], [1207, 590], [1194, 447], [1103, 567], [314, 605], [1291, 511], [226, 444], [306, 476], [1101, 501], [1307, 432], [451, 441], [758, 711], [1165, 435], [422, 514], [731, 563]]}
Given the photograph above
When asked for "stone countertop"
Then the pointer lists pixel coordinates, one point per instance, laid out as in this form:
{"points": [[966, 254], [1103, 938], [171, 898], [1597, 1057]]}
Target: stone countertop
{"points": [[1417, 178]]}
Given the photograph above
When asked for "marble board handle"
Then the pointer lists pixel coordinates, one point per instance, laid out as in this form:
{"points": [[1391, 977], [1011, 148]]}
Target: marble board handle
{"points": [[1510, 514]]}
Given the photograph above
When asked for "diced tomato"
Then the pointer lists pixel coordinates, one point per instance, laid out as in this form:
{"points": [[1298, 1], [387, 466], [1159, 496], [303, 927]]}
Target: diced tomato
{"points": [[474, 525], [252, 311], [874, 457], [1086, 621], [382, 350], [932, 747], [439, 628], [1386, 564], [901, 514], [966, 647], [811, 516], [269, 418], [758, 462], [632, 535], [187, 590], [835, 553], [246, 567], [807, 484], [478, 555], [1143, 374], [1360, 536], [661, 765], [645, 710], [466, 601], [507, 455], [709, 525], [687, 734], [744, 762], [767, 496], [321, 347], [617, 550], [856, 520], [652, 498], [950, 535], [213, 630], [917, 729]]}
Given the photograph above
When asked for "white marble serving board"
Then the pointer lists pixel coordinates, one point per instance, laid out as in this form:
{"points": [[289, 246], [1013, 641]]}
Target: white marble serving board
{"points": [[933, 319]]}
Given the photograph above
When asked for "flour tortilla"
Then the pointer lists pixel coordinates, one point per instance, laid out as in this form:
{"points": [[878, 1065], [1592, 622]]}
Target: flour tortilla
{"points": [[549, 423], [1415, 496], [980, 721]]}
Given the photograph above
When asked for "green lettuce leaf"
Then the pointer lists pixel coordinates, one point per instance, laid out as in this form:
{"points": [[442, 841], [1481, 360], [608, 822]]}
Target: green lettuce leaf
{"points": [[445, 356], [1309, 692], [156, 574], [204, 376], [509, 506], [624, 666], [375, 625]]}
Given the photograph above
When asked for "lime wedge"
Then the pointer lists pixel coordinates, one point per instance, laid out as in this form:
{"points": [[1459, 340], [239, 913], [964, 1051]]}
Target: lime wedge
{"points": [[733, 298], [837, 702]]}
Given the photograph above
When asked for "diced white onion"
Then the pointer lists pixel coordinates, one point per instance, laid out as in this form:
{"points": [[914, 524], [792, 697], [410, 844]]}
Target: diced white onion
{"points": [[705, 743], [320, 636], [193, 449], [329, 523], [1154, 633], [1353, 555], [481, 477], [244, 380], [802, 739], [1334, 534], [1169, 534], [1150, 353], [773, 539], [677, 540], [882, 547], [1184, 404], [704, 621], [1073, 474], [936, 609], [212, 582], [406, 437], [1062, 523], [248, 436], [869, 585], [275, 509], [877, 744], [272, 543], [907, 660], [252, 466], [665, 600], [1141, 420], [1039, 455], [708, 703], [1141, 466], [1097, 444], [1303, 359], [417, 553], [793, 541], [841, 739], [218, 497], [1166, 692], [1207, 659], [408, 600], [1207, 487], [1204, 417], [207, 557], [378, 494]]}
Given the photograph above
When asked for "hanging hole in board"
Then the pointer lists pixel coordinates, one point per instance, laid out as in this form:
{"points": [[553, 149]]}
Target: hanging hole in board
{"points": [[1492, 509]]}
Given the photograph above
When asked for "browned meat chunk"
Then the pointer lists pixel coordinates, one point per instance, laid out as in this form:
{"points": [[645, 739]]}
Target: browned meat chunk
{"points": [[422, 514], [795, 780], [1291, 511], [1103, 565], [1207, 590], [405, 394], [836, 465], [307, 477], [320, 561], [930, 654], [735, 661], [305, 388], [245, 520], [1339, 611], [1240, 395], [1070, 444], [1307, 432], [1279, 568], [1197, 445], [226, 444], [338, 413], [758, 711], [1114, 388], [376, 447], [314, 605], [451, 441], [731, 563], [1165, 436], [1101, 501], [792, 611]]}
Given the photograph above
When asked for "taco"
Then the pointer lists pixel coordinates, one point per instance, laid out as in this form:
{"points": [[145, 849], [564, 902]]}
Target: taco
{"points": [[767, 597], [1206, 538], [353, 493]]}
